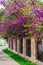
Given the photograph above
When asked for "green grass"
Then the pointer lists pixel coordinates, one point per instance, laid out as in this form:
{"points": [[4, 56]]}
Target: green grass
{"points": [[1, 45], [17, 58]]}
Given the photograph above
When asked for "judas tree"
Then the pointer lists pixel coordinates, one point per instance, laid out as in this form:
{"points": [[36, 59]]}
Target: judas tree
{"points": [[24, 19]]}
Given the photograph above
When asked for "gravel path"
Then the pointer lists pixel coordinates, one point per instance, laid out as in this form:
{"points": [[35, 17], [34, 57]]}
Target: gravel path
{"points": [[5, 59]]}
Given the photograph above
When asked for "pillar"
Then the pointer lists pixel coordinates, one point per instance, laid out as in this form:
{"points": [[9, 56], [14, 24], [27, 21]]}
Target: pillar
{"points": [[18, 45], [8, 43], [11, 44], [42, 42], [24, 46], [33, 49]]}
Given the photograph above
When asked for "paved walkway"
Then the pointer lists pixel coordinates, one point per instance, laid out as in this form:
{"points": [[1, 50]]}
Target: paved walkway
{"points": [[5, 59]]}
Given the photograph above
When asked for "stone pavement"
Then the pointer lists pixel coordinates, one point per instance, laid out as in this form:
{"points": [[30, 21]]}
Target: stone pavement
{"points": [[5, 59]]}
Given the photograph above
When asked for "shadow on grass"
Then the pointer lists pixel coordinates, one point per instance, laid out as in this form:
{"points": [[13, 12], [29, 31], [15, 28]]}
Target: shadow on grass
{"points": [[17, 58]]}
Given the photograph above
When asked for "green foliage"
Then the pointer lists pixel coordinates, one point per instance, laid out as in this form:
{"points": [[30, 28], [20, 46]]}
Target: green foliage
{"points": [[38, 1], [41, 36], [13, 34], [10, 35], [6, 37], [30, 32], [1, 16], [19, 12], [12, 16], [42, 22]]}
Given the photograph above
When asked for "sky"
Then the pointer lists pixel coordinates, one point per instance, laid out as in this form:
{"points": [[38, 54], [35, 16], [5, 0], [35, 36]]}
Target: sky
{"points": [[42, 0], [1, 6]]}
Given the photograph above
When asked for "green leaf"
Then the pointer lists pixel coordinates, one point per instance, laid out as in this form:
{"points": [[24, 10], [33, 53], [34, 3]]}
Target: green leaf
{"points": [[12, 16]]}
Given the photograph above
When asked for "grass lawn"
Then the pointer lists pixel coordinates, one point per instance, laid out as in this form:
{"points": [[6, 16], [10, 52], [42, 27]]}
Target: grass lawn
{"points": [[1, 45], [17, 58]]}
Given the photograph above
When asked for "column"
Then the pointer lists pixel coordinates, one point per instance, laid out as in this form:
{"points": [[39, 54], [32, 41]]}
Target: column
{"points": [[18, 45], [11, 44], [14, 44], [8, 43], [24, 46], [42, 42], [33, 49]]}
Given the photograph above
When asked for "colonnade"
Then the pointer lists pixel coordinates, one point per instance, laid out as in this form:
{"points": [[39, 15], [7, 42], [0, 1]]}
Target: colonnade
{"points": [[15, 45]]}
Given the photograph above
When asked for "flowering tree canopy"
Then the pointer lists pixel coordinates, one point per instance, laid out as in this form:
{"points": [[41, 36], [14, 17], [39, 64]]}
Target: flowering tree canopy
{"points": [[23, 18]]}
